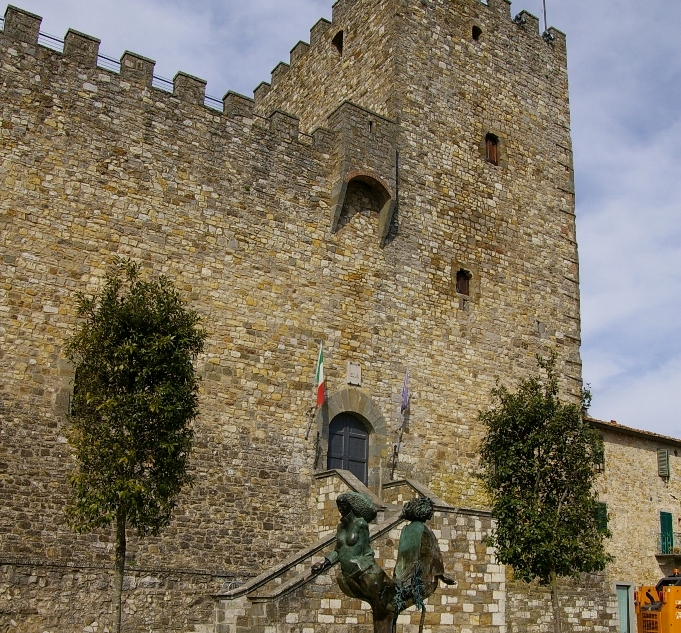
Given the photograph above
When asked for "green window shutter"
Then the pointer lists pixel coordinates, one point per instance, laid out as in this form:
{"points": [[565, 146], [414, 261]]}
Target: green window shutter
{"points": [[663, 462], [601, 516], [666, 533]]}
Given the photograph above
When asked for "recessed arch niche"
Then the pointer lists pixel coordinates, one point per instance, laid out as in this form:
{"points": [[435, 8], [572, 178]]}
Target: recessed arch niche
{"points": [[362, 192]]}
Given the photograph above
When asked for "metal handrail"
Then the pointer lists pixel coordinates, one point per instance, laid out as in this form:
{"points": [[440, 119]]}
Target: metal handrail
{"points": [[108, 63], [669, 543], [213, 103], [162, 84]]}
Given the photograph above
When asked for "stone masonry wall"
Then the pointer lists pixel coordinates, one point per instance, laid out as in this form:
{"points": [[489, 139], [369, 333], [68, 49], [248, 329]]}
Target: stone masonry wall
{"points": [[40, 599], [319, 77], [588, 605], [511, 226], [95, 164]]}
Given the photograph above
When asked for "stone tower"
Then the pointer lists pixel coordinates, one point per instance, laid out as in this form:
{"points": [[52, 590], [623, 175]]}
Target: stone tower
{"points": [[401, 191]]}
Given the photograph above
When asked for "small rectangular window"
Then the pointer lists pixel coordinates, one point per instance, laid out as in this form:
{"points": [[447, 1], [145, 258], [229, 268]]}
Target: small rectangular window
{"points": [[463, 282], [663, 462], [492, 148]]}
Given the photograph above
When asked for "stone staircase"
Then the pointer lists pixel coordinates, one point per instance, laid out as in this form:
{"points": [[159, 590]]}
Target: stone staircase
{"points": [[288, 598]]}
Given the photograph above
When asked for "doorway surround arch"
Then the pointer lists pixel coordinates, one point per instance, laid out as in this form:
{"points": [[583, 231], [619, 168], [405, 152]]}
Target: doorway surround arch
{"points": [[356, 402]]}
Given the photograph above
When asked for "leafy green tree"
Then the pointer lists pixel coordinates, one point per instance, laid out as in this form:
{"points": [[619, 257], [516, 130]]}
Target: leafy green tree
{"points": [[135, 395], [538, 463]]}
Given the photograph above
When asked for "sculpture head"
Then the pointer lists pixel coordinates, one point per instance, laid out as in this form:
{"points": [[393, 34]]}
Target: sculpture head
{"points": [[359, 504], [419, 509]]}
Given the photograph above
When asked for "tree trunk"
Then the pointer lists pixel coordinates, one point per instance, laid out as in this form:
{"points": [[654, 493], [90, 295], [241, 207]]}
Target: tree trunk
{"points": [[119, 571], [556, 603]]}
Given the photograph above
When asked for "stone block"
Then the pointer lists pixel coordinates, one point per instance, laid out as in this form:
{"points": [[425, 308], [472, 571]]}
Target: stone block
{"points": [[137, 69], [21, 25], [299, 51], [81, 47], [318, 31], [238, 105], [189, 88]]}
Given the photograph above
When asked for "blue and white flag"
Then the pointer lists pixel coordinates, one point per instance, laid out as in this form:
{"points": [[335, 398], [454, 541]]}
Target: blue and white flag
{"points": [[405, 393]]}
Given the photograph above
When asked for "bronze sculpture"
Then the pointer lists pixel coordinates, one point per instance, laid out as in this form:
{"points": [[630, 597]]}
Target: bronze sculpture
{"points": [[419, 560]]}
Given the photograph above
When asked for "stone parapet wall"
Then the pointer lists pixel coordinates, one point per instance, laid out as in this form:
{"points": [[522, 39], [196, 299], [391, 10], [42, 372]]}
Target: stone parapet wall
{"points": [[587, 605], [47, 598]]}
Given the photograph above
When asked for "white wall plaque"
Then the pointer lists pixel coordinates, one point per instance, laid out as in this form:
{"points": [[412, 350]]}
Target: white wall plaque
{"points": [[354, 374]]}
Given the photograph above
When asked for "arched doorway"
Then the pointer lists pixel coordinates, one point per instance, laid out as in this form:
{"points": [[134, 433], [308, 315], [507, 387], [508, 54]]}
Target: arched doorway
{"points": [[348, 445]]}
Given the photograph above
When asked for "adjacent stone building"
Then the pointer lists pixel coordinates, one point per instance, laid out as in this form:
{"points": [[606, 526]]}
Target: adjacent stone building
{"points": [[401, 192], [640, 487]]}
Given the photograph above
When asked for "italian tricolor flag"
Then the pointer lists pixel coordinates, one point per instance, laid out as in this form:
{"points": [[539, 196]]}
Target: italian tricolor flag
{"points": [[319, 377]]}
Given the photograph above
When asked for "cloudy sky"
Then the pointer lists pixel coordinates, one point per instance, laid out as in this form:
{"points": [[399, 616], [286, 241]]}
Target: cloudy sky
{"points": [[625, 75]]}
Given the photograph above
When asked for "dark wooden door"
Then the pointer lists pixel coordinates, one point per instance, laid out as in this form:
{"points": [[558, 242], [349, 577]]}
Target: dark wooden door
{"points": [[348, 446]]}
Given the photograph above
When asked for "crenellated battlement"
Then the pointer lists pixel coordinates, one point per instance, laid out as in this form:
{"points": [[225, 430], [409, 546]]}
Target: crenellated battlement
{"points": [[81, 47], [24, 26], [358, 41], [83, 51]]}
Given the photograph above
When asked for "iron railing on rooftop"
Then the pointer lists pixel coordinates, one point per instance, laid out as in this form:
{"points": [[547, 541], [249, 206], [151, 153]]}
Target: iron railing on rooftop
{"points": [[108, 63], [162, 83], [114, 65], [213, 103], [50, 41]]}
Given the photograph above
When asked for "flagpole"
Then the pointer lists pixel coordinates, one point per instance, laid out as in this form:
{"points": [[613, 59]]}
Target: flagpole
{"points": [[404, 410], [546, 25], [319, 390]]}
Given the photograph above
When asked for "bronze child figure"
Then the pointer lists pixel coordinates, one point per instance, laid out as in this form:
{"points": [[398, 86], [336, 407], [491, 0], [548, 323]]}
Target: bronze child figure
{"points": [[419, 560], [360, 576]]}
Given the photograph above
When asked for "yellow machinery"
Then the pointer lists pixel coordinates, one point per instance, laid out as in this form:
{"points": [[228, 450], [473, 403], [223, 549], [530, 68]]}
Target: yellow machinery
{"points": [[658, 608]]}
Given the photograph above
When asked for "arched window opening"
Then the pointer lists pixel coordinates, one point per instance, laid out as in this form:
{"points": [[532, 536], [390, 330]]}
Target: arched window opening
{"points": [[348, 445], [337, 41], [492, 148], [477, 32], [463, 282]]}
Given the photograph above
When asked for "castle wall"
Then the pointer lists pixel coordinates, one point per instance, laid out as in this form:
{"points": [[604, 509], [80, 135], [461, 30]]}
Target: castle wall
{"points": [[57, 599], [511, 226], [235, 207], [96, 164]]}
